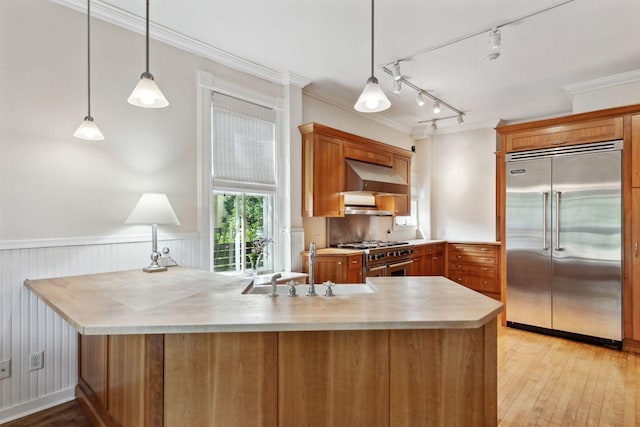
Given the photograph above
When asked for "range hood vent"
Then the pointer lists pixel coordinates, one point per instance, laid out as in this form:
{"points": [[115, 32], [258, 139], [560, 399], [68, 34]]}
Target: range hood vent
{"points": [[367, 177]]}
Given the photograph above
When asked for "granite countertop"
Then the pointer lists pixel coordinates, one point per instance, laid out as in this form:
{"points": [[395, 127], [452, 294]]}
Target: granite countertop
{"points": [[184, 300]]}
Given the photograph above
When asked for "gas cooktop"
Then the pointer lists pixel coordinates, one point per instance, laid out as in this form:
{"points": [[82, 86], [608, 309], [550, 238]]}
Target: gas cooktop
{"points": [[370, 244]]}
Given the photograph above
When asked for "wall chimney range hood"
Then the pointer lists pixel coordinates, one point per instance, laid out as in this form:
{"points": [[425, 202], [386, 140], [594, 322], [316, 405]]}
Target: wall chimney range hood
{"points": [[371, 178]]}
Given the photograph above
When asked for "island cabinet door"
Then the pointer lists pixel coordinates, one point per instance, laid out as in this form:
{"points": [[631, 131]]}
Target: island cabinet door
{"points": [[333, 379], [221, 379]]}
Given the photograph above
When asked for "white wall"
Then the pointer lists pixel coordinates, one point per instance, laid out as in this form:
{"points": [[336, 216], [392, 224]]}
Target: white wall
{"points": [[463, 186], [63, 200]]}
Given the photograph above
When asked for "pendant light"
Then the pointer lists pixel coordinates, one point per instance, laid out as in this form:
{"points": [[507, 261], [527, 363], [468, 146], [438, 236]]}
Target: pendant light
{"points": [[88, 129], [372, 98], [147, 94]]}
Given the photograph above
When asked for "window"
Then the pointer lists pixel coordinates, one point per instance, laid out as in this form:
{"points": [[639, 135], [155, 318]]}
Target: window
{"points": [[244, 182]]}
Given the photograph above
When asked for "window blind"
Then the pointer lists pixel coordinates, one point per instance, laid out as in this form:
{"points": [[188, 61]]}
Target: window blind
{"points": [[243, 144]]}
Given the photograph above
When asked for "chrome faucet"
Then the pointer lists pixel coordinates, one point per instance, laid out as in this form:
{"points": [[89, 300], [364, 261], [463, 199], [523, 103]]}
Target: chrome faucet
{"points": [[274, 285], [311, 292]]}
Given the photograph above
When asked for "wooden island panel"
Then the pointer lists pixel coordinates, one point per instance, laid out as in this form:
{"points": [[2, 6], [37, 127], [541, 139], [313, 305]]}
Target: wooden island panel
{"points": [[333, 378], [227, 379], [443, 377]]}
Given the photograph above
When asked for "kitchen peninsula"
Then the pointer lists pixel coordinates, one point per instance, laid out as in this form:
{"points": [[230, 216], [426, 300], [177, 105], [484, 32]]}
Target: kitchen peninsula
{"points": [[186, 347]]}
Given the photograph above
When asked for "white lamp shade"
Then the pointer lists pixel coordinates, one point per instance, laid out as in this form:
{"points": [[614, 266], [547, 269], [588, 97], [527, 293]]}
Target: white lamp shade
{"points": [[372, 99], [147, 94], [153, 208], [88, 130]]}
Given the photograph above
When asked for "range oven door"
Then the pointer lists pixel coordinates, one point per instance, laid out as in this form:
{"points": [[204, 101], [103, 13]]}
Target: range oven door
{"points": [[399, 269], [379, 271]]}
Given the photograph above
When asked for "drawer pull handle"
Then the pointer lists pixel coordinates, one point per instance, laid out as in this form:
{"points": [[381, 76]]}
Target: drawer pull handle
{"points": [[558, 142], [459, 279], [484, 249], [435, 257], [459, 256], [484, 282], [485, 268]]}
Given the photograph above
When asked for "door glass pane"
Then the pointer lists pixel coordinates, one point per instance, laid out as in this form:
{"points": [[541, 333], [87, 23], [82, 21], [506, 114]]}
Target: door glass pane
{"points": [[227, 227], [242, 232]]}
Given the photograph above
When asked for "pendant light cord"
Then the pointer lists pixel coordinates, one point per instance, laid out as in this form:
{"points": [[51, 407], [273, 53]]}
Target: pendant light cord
{"points": [[89, 58], [371, 38], [147, 37]]}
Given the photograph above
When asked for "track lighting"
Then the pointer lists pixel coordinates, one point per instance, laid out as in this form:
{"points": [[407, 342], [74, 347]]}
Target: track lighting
{"points": [[397, 86], [460, 119], [420, 99], [372, 99], [436, 107], [147, 94], [88, 129], [396, 71], [434, 125]]}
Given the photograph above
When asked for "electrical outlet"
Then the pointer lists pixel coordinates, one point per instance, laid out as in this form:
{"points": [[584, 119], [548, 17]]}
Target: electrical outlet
{"points": [[5, 369], [36, 360]]}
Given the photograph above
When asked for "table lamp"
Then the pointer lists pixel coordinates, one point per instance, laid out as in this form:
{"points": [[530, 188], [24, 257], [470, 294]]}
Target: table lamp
{"points": [[154, 209]]}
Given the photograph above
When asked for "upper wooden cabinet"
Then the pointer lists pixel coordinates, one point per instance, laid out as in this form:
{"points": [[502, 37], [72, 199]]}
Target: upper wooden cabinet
{"points": [[565, 134], [324, 151]]}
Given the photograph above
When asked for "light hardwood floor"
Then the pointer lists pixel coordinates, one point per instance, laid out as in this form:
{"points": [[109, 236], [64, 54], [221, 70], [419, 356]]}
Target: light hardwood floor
{"points": [[542, 381], [550, 381]]}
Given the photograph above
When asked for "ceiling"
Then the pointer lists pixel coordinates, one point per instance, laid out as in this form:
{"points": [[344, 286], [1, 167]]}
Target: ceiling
{"points": [[328, 42]]}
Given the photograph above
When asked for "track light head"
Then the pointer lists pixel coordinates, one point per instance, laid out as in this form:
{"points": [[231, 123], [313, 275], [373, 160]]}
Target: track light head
{"points": [[434, 125], [397, 86], [460, 119], [420, 99], [436, 107], [494, 44], [397, 75]]}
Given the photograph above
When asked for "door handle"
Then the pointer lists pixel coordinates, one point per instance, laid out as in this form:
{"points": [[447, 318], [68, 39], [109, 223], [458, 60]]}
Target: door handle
{"points": [[635, 247], [545, 199], [558, 194]]}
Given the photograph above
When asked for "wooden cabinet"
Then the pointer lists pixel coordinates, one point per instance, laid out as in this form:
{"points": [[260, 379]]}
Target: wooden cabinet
{"points": [[323, 176], [565, 134], [475, 266], [336, 268], [367, 153], [323, 171], [428, 260], [635, 151]]}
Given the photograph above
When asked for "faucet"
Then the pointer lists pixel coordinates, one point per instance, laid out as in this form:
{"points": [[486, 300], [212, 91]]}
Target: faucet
{"points": [[274, 285], [311, 292]]}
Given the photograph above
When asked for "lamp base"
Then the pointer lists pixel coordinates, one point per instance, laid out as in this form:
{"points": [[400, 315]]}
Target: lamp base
{"points": [[151, 269]]}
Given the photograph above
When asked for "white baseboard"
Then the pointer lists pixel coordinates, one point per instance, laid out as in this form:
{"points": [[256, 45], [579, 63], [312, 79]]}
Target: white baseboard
{"points": [[33, 406]]}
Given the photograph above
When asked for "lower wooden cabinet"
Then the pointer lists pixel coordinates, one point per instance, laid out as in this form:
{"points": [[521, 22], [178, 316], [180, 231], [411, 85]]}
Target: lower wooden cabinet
{"points": [[336, 268], [476, 266], [428, 260]]}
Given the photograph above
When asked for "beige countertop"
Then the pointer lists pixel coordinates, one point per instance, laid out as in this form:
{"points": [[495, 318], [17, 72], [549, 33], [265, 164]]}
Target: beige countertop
{"points": [[418, 242], [336, 251], [183, 300]]}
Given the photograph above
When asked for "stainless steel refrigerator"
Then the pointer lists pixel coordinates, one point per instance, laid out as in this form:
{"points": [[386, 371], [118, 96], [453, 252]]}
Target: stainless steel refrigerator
{"points": [[564, 240]]}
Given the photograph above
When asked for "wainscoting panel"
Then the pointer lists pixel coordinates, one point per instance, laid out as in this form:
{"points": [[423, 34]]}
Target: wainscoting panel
{"points": [[297, 246], [27, 325]]}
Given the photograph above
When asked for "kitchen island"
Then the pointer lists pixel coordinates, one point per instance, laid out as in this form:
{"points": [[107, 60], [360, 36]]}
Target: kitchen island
{"points": [[186, 347]]}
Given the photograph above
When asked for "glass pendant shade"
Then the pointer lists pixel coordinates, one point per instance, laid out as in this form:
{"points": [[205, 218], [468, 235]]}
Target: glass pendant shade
{"points": [[147, 94], [372, 99], [88, 130]]}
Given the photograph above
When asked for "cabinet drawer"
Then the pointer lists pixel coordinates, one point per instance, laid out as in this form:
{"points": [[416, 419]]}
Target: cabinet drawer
{"points": [[489, 258], [354, 262], [483, 284], [419, 250], [478, 250], [478, 270], [435, 249], [575, 133]]}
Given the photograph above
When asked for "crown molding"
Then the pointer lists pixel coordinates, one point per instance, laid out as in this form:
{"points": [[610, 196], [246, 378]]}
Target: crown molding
{"points": [[342, 105], [422, 132], [603, 82], [131, 22]]}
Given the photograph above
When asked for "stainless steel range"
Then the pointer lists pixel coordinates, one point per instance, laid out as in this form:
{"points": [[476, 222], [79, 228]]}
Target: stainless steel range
{"points": [[383, 258]]}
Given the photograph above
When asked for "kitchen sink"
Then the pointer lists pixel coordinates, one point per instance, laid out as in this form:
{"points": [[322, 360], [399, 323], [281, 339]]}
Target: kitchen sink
{"points": [[302, 289]]}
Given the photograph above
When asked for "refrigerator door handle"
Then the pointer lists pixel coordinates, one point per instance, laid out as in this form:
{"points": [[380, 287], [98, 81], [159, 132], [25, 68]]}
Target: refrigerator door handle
{"points": [[558, 194], [545, 198]]}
